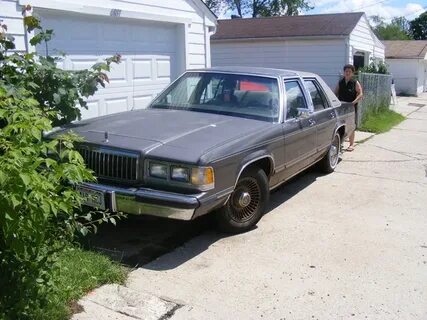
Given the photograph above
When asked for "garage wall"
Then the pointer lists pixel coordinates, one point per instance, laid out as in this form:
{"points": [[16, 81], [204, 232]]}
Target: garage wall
{"points": [[158, 40], [324, 57], [407, 75], [362, 38], [10, 14]]}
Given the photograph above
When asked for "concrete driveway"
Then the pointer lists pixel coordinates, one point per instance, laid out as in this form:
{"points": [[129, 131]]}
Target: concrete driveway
{"points": [[349, 245]]}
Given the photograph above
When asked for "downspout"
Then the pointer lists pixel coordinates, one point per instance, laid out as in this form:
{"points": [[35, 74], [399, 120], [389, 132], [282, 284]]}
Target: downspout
{"points": [[208, 32]]}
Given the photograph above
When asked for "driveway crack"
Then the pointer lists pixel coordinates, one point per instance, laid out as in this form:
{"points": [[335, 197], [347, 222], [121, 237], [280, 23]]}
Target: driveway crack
{"points": [[382, 178], [406, 154]]}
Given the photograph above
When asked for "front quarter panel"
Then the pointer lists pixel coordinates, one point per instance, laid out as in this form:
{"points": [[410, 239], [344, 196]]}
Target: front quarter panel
{"points": [[231, 159]]}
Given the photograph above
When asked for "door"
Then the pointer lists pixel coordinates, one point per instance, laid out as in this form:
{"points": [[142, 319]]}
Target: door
{"points": [[299, 128], [149, 51], [323, 114]]}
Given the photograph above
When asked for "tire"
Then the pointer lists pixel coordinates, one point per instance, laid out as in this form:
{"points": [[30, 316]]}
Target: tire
{"points": [[330, 161], [247, 204]]}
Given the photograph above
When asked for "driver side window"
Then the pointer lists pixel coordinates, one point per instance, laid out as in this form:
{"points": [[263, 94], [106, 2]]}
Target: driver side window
{"points": [[294, 99]]}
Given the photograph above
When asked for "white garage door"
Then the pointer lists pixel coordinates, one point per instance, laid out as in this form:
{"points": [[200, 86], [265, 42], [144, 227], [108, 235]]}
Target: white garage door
{"points": [[149, 56]]}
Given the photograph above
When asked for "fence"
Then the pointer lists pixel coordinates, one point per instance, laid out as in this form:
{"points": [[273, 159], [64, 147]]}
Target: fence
{"points": [[376, 92]]}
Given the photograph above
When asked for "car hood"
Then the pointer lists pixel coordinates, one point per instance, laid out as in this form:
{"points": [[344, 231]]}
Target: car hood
{"points": [[167, 134]]}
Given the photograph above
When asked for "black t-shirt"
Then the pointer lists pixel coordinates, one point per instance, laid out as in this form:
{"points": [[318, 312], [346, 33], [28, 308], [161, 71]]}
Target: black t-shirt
{"points": [[347, 91]]}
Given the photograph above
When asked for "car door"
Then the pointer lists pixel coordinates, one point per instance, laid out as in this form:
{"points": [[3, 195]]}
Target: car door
{"points": [[324, 115], [299, 128]]}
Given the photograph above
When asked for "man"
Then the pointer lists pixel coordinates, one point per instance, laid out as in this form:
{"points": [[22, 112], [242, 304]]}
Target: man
{"points": [[349, 90]]}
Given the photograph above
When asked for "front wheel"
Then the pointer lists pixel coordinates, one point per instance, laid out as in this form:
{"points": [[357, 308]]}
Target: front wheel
{"points": [[330, 161], [246, 204]]}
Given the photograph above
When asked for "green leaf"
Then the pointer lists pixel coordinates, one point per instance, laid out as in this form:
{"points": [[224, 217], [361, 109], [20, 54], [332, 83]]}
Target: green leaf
{"points": [[25, 178]]}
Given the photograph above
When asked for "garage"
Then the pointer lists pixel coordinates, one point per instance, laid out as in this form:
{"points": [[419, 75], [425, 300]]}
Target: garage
{"points": [[157, 41], [148, 63]]}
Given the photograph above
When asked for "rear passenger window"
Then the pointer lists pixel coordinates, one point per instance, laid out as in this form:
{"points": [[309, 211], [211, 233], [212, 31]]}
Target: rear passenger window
{"points": [[317, 96], [294, 99]]}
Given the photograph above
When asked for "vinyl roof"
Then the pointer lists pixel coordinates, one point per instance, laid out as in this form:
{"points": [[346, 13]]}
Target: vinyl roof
{"points": [[339, 24], [406, 49], [270, 72]]}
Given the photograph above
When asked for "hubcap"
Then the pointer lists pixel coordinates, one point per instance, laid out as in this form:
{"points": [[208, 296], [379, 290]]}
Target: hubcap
{"points": [[245, 200]]}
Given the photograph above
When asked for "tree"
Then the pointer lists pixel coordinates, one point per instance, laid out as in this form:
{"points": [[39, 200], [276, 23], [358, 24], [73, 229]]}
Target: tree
{"points": [[418, 27], [397, 29], [214, 5], [261, 8]]}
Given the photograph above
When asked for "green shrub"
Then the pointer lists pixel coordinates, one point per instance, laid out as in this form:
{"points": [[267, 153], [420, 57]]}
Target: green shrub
{"points": [[40, 210], [379, 67]]}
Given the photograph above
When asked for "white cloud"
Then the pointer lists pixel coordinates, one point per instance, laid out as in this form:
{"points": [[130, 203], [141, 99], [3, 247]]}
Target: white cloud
{"points": [[371, 7]]}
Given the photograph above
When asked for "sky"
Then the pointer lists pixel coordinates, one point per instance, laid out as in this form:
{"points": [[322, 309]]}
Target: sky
{"points": [[384, 8], [387, 9]]}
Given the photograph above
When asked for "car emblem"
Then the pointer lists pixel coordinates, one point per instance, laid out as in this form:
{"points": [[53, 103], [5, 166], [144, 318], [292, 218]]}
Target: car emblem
{"points": [[106, 136]]}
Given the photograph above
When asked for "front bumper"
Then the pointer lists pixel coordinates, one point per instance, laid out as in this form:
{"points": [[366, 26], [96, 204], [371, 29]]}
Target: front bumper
{"points": [[147, 202]]}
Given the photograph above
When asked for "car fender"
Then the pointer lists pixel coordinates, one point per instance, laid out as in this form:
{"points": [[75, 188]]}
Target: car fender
{"points": [[252, 158]]}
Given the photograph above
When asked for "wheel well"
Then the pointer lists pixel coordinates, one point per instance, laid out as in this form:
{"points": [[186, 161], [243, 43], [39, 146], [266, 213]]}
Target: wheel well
{"points": [[341, 132], [265, 164]]}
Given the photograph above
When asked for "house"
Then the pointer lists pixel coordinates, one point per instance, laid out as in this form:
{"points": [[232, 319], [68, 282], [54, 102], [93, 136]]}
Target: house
{"points": [[407, 62], [158, 40], [322, 43]]}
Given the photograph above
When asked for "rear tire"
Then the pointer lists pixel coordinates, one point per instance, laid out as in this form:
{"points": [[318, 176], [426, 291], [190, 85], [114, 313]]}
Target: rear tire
{"points": [[246, 204], [330, 161]]}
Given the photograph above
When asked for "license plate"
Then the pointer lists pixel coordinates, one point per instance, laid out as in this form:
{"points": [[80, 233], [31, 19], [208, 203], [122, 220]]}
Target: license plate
{"points": [[92, 198]]}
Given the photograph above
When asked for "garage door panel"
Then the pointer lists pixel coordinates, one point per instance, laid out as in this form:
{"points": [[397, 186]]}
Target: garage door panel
{"points": [[148, 51], [142, 101], [94, 110], [114, 105]]}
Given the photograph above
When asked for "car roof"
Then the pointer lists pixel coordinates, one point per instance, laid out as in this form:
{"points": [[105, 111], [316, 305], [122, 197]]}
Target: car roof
{"points": [[270, 72]]}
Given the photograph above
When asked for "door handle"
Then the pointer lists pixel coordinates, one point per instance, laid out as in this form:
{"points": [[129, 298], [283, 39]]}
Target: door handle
{"points": [[311, 122]]}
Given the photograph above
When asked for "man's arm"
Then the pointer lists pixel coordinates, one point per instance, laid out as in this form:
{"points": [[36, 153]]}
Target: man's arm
{"points": [[359, 91]]}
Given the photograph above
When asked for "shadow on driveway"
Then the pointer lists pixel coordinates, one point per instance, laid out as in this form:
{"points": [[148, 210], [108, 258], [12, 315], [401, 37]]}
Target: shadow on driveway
{"points": [[138, 240]]}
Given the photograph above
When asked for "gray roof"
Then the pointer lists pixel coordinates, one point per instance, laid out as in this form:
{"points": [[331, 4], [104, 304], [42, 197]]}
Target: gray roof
{"points": [[270, 72], [319, 25], [405, 49]]}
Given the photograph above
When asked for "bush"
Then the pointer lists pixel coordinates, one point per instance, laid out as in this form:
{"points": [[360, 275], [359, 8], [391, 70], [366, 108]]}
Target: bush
{"points": [[40, 210], [374, 67]]}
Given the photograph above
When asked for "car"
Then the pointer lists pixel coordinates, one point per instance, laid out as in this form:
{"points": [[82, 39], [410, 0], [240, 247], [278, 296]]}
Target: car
{"points": [[215, 140]]}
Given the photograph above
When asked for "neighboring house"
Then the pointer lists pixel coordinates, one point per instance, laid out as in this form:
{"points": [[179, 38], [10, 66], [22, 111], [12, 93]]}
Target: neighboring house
{"points": [[158, 40], [407, 61], [322, 43]]}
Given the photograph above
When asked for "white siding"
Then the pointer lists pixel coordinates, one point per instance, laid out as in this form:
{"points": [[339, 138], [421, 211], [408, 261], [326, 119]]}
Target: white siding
{"points": [[363, 39], [197, 48], [324, 57], [408, 75], [10, 15]]}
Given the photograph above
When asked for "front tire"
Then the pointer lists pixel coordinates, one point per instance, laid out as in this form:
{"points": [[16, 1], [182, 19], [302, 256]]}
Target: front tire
{"points": [[246, 204], [330, 161]]}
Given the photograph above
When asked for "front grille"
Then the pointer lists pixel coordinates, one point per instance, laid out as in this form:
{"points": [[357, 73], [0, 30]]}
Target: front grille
{"points": [[111, 164]]}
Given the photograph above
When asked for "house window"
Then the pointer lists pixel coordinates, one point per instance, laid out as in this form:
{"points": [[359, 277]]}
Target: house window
{"points": [[359, 59]]}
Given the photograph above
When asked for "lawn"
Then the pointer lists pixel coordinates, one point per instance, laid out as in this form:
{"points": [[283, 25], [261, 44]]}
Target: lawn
{"points": [[381, 121], [79, 272]]}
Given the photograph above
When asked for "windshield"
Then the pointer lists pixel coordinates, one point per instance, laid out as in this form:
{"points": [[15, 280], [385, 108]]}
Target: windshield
{"points": [[236, 95]]}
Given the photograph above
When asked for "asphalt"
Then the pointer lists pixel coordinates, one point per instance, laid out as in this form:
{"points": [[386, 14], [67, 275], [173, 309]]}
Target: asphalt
{"points": [[348, 245]]}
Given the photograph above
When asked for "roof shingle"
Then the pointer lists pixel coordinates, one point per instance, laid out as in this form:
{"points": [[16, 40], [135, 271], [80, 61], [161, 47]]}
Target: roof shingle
{"points": [[340, 24], [405, 49]]}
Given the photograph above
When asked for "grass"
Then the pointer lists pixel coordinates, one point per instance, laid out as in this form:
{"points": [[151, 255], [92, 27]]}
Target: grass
{"points": [[79, 272], [381, 121]]}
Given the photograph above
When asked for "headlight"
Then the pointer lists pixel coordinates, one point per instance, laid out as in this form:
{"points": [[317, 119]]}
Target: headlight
{"points": [[158, 170], [180, 174], [203, 177]]}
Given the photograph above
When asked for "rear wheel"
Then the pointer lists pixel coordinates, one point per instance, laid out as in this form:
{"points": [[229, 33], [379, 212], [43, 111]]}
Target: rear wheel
{"points": [[330, 161], [246, 204]]}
